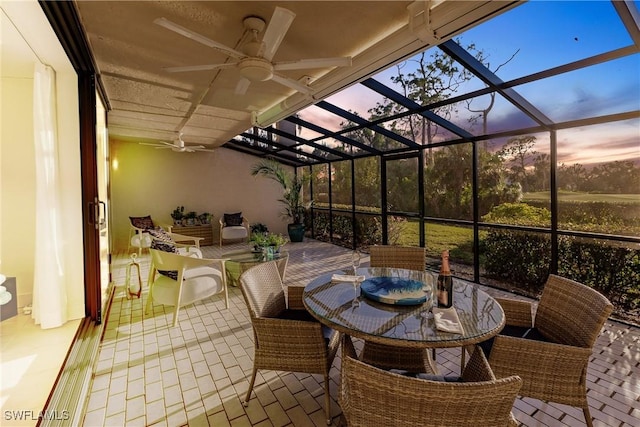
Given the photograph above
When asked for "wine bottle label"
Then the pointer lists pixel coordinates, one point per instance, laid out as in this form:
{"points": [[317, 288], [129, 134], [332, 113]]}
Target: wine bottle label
{"points": [[445, 291]]}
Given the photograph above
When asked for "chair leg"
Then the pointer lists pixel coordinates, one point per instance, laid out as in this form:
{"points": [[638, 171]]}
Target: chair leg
{"points": [[253, 380], [175, 315], [587, 416], [327, 399]]}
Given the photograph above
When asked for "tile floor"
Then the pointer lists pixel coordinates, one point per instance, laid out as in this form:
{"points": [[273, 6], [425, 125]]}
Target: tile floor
{"points": [[30, 359], [149, 374]]}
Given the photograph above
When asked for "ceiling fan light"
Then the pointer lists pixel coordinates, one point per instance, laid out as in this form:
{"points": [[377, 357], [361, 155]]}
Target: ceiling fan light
{"points": [[256, 69]]}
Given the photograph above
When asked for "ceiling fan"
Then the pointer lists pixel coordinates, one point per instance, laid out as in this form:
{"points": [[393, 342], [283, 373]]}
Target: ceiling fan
{"points": [[254, 61], [179, 146]]}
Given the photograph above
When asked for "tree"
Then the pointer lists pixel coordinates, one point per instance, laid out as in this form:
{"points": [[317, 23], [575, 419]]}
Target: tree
{"points": [[517, 152]]}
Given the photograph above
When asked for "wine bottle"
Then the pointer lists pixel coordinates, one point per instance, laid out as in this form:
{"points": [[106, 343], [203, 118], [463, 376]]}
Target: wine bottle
{"points": [[445, 283]]}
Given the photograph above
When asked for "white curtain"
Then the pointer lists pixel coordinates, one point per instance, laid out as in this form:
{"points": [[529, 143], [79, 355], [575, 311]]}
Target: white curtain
{"points": [[49, 289]]}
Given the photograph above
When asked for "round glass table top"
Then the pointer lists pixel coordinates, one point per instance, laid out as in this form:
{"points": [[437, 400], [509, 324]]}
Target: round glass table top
{"points": [[341, 306]]}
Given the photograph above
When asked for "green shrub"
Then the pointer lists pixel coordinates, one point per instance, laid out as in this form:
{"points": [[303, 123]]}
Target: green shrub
{"points": [[612, 269], [519, 258], [522, 259], [519, 214]]}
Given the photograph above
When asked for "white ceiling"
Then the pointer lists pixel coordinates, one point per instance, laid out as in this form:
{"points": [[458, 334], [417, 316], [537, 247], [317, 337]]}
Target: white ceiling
{"points": [[149, 103]]}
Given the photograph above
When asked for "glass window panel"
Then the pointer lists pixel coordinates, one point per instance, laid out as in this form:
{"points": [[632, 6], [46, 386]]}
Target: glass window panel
{"points": [[566, 32], [321, 117], [428, 77], [433, 132], [321, 230], [515, 259], [341, 185], [374, 140], [342, 234], [362, 101], [588, 92], [305, 174], [457, 239], [319, 152], [512, 170], [487, 114], [403, 231], [368, 230], [608, 266], [599, 178], [402, 185], [448, 174], [367, 184], [309, 134], [320, 185]]}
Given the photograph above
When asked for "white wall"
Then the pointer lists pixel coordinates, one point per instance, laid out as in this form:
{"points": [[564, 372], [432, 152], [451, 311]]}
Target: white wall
{"points": [[31, 40], [153, 182]]}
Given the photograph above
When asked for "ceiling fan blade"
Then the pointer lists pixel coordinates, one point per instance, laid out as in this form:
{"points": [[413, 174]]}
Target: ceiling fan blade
{"points": [[210, 150], [293, 84], [160, 144], [242, 86], [198, 67], [276, 30], [163, 22], [302, 64]]}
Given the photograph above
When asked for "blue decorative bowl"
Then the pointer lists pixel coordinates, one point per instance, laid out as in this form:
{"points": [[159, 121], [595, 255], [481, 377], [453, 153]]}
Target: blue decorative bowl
{"points": [[393, 290]]}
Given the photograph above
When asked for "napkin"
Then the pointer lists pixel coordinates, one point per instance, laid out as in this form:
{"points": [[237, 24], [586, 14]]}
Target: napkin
{"points": [[346, 278], [447, 320]]}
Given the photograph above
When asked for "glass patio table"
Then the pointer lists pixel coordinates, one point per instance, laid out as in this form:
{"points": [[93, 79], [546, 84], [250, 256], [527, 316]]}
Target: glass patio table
{"points": [[241, 260], [338, 306]]}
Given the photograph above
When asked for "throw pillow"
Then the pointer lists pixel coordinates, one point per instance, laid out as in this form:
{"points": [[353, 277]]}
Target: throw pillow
{"points": [[232, 220], [143, 222], [160, 234], [166, 247]]}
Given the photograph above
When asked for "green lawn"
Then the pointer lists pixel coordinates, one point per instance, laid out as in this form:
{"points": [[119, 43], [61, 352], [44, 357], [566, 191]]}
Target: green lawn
{"points": [[572, 196], [440, 237]]}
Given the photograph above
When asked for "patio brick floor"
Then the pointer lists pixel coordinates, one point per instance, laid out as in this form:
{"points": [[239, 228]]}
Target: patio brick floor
{"points": [[149, 374]]}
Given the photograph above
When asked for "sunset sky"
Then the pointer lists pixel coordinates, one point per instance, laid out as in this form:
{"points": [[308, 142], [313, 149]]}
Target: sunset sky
{"points": [[543, 35]]}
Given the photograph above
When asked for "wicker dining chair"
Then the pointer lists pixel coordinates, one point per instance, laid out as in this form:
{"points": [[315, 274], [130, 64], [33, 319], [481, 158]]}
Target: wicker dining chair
{"points": [[286, 338], [374, 397], [385, 356], [409, 257], [551, 353]]}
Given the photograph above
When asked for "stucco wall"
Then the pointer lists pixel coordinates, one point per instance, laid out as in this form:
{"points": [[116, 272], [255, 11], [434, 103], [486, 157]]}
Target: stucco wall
{"points": [[153, 182]]}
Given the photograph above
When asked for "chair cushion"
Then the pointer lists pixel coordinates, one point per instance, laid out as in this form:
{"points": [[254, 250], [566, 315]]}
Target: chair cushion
{"points": [[143, 222], [191, 251], [305, 317], [200, 283], [141, 240], [430, 377], [233, 219], [166, 247], [235, 232], [513, 331]]}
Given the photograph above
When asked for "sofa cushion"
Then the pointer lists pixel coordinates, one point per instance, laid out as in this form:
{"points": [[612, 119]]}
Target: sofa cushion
{"points": [[143, 222], [234, 219]]}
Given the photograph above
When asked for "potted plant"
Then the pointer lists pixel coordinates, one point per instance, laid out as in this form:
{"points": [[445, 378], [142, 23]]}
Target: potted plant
{"points": [[205, 218], [191, 217], [265, 240], [259, 227], [294, 206], [177, 215]]}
